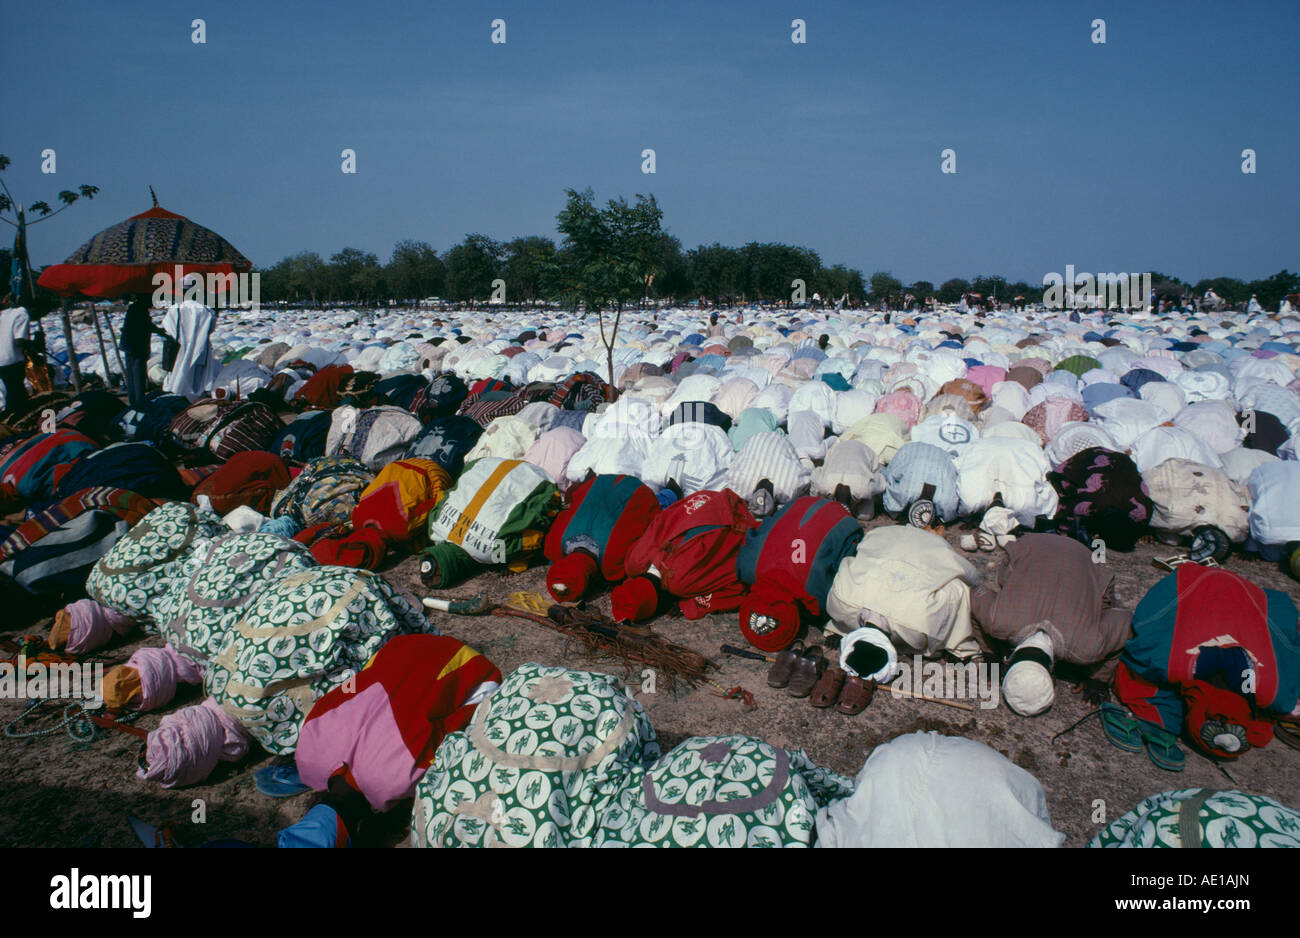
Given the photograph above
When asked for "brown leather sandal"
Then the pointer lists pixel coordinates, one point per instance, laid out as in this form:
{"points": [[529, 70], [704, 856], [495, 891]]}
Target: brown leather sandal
{"points": [[856, 695], [779, 674], [827, 690], [808, 668]]}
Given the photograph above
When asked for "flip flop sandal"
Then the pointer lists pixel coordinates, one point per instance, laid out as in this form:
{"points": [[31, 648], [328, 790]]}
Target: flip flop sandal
{"points": [[808, 669], [855, 697], [1162, 748], [1287, 732], [864, 509], [1120, 729], [921, 513], [279, 781], [828, 688], [779, 674]]}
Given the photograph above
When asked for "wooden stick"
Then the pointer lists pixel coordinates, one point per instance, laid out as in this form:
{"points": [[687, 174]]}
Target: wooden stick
{"points": [[103, 350], [938, 700], [73, 366], [108, 320]]}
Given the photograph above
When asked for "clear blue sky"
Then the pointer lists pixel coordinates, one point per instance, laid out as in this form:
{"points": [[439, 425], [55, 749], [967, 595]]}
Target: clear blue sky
{"points": [[1115, 157]]}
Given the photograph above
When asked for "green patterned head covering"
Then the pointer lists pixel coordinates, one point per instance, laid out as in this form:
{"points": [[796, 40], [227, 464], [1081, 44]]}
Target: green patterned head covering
{"points": [[141, 575]]}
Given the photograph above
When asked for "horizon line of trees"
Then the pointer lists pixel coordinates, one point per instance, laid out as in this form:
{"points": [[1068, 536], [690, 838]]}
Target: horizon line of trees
{"points": [[532, 268]]}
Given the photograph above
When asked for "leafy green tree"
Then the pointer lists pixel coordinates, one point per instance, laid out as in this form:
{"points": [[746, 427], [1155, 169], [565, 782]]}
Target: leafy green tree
{"points": [[717, 272], [951, 291], [1272, 290], [525, 266], [309, 277], [885, 288], [414, 271], [612, 257], [472, 265], [1231, 290], [354, 275], [675, 280], [992, 287]]}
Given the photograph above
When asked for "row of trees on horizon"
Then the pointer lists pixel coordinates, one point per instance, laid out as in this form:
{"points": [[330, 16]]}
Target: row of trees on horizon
{"points": [[533, 269]]}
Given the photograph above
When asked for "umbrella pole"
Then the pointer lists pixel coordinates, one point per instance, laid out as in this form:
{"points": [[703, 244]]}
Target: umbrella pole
{"points": [[103, 349], [73, 366], [117, 350]]}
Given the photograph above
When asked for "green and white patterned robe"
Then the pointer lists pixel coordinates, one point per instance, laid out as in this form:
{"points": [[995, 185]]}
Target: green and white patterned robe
{"points": [[142, 575], [302, 636], [1224, 819], [559, 758]]}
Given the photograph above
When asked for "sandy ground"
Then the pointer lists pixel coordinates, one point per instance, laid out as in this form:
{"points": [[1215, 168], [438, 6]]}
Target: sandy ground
{"points": [[61, 793]]}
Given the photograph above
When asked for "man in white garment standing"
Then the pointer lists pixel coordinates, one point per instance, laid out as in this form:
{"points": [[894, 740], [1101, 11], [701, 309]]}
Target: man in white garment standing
{"points": [[190, 323], [15, 338]]}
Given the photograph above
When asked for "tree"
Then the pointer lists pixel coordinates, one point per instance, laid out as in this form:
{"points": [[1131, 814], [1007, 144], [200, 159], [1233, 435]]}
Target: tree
{"points": [[675, 281], [25, 289], [1231, 290], [951, 291], [885, 287], [526, 263], [922, 290], [611, 256], [308, 276], [1271, 291], [716, 271], [22, 283], [471, 267], [415, 271], [992, 287], [354, 273]]}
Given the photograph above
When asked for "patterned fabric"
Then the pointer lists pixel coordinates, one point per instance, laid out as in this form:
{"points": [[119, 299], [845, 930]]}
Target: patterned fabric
{"points": [[138, 577], [128, 506], [1225, 819], [484, 409], [539, 766], [249, 427], [723, 791], [497, 511], [323, 493], [191, 429], [568, 758], [583, 391], [1096, 484], [301, 637], [771, 456], [229, 574], [158, 236], [917, 469]]}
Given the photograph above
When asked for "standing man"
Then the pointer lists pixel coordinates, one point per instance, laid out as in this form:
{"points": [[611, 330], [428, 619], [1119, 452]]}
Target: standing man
{"points": [[190, 324], [138, 331], [15, 338]]}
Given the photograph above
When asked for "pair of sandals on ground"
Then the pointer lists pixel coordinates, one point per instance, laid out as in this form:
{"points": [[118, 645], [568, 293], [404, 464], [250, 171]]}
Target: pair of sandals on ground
{"points": [[805, 672]]}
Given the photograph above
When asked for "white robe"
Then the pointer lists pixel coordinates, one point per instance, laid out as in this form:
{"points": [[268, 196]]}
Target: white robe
{"points": [[197, 367]]}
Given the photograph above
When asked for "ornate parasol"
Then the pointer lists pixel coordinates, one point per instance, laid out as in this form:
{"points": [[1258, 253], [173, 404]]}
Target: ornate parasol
{"points": [[123, 259]]}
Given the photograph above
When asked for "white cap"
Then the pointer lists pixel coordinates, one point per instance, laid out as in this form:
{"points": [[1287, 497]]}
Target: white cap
{"points": [[870, 636], [1027, 686], [190, 280]]}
